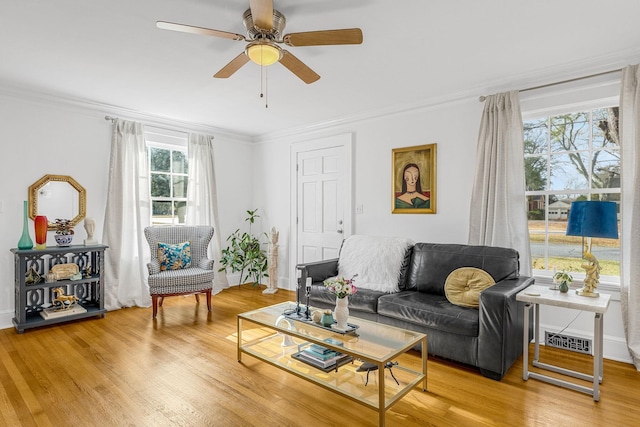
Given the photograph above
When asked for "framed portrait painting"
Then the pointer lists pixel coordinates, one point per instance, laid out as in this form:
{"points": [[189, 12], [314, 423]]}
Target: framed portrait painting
{"points": [[414, 179]]}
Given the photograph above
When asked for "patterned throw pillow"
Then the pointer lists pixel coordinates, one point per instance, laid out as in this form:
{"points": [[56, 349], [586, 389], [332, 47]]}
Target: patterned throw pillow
{"points": [[174, 257]]}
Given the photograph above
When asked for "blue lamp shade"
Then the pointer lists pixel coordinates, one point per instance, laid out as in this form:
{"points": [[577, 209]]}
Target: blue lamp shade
{"points": [[593, 219]]}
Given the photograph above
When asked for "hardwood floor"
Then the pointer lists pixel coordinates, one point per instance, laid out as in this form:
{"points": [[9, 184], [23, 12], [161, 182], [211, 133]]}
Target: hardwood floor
{"points": [[182, 370]]}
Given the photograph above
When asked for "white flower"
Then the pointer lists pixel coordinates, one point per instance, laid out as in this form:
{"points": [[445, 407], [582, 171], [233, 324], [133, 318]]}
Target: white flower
{"points": [[341, 287]]}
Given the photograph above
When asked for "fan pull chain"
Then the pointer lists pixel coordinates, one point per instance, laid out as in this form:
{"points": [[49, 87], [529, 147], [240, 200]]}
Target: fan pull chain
{"points": [[264, 85], [261, 81]]}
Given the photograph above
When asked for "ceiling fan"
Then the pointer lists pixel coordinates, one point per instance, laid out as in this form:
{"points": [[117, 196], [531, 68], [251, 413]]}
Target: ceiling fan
{"points": [[264, 27]]}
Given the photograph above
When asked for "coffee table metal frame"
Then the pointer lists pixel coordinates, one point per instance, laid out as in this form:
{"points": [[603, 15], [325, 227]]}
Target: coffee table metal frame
{"points": [[373, 342]]}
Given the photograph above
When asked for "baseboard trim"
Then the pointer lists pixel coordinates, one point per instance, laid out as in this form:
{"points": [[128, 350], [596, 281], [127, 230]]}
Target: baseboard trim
{"points": [[614, 348], [6, 319]]}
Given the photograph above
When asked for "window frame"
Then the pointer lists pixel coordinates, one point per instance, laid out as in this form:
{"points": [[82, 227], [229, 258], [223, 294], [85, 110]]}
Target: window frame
{"points": [[173, 141], [612, 282]]}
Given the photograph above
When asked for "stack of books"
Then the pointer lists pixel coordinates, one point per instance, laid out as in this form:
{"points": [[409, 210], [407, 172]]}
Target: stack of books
{"points": [[52, 312], [322, 357]]}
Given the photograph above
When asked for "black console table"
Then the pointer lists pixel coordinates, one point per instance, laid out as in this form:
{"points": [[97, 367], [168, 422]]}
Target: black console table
{"points": [[32, 298]]}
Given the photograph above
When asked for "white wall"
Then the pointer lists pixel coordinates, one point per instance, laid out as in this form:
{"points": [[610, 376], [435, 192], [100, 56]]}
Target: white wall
{"points": [[36, 140], [43, 136], [454, 127], [40, 137]]}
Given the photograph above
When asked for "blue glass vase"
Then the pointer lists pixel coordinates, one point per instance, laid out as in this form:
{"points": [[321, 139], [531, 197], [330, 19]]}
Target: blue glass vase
{"points": [[25, 241]]}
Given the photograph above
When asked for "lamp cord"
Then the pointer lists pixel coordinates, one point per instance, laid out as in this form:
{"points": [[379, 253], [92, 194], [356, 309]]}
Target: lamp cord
{"points": [[569, 324]]}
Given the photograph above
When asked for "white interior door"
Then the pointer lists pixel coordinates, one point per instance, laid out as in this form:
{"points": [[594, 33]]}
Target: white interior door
{"points": [[323, 197]]}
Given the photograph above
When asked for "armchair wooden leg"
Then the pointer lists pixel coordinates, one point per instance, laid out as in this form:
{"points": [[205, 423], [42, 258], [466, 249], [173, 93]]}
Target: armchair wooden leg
{"points": [[208, 294], [198, 298], [154, 303]]}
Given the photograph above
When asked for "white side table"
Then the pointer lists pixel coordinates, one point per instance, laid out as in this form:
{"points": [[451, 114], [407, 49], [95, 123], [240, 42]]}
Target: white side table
{"points": [[536, 295]]}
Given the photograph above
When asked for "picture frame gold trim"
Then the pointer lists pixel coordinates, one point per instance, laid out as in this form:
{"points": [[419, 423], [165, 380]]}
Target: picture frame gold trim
{"points": [[422, 157]]}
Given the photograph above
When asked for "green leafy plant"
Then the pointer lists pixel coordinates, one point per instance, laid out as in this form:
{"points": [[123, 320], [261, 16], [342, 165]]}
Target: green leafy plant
{"points": [[244, 254], [562, 276]]}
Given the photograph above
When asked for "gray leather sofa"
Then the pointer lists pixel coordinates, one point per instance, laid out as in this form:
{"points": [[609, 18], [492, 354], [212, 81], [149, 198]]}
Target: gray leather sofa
{"points": [[488, 337]]}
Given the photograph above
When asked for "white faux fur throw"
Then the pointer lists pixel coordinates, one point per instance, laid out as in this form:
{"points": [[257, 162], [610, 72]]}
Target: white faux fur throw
{"points": [[376, 261]]}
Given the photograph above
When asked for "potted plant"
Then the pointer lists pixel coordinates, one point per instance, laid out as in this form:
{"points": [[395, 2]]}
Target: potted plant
{"points": [[563, 280], [64, 232], [244, 254]]}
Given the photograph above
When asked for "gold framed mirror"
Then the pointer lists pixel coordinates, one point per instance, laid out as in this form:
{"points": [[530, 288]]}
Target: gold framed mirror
{"points": [[57, 196]]}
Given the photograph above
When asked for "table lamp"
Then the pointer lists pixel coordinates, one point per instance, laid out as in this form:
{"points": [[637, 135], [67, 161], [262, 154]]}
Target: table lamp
{"points": [[592, 219]]}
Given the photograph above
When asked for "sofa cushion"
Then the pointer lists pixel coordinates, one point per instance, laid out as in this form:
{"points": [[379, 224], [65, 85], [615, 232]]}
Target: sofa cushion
{"points": [[463, 286], [365, 300], [431, 311], [377, 261], [431, 264]]}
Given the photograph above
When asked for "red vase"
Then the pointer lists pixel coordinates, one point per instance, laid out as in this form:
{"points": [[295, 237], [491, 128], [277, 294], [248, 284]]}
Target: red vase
{"points": [[42, 226]]}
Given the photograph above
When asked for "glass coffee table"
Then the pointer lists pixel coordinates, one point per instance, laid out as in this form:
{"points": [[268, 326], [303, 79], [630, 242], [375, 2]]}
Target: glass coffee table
{"points": [[276, 339]]}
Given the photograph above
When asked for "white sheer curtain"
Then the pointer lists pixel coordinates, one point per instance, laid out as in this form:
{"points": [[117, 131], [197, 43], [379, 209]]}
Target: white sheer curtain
{"points": [[202, 204], [498, 215], [630, 275], [126, 215]]}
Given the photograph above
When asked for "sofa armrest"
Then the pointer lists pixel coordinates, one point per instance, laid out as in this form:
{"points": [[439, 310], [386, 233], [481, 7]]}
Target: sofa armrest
{"points": [[501, 323], [319, 270], [206, 264]]}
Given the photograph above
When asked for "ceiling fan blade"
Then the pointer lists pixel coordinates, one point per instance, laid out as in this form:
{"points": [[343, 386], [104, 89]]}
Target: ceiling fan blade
{"points": [[326, 37], [262, 13], [233, 66], [198, 30], [298, 67]]}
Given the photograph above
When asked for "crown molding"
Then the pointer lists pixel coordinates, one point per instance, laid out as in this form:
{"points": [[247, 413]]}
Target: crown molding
{"points": [[99, 109], [541, 76]]}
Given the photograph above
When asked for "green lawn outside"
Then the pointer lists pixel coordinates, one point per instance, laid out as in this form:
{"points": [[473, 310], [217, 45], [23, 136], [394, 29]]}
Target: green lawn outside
{"points": [[609, 268]]}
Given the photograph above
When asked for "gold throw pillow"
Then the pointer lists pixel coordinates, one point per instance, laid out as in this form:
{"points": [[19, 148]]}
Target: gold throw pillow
{"points": [[463, 286]]}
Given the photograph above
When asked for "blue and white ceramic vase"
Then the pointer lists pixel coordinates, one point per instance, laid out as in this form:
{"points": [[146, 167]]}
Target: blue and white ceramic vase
{"points": [[64, 239]]}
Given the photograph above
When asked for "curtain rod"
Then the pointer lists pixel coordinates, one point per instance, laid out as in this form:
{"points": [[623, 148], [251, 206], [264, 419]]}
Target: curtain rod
{"points": [[575, 79], [186, 131]]}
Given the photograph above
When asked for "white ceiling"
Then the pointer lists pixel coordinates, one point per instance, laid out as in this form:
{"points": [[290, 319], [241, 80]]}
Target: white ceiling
{"points": [[414, 52]]}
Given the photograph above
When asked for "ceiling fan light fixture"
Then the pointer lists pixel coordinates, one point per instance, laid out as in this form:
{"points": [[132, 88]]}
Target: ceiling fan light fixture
{"points": [[263, 53]]}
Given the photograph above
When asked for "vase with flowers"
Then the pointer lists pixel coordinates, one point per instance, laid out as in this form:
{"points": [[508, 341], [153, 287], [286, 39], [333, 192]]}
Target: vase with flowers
{"points": [[562, 279], [64, 232], [342, 288]]}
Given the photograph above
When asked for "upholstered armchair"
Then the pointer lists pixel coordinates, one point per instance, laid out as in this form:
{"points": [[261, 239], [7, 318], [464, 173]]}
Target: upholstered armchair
{"points": [[179, 263]]}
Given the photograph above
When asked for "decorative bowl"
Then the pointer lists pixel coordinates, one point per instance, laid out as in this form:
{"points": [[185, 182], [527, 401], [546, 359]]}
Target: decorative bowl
{"points": [[63, 239]]}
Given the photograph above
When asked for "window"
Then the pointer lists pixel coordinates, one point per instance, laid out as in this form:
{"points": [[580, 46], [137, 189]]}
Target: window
{"points": [[568, 157], [168, 169]]}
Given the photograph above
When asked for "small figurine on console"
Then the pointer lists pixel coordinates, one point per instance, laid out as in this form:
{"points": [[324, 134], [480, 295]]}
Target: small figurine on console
{"points": [[90, 227], [62, 301]]}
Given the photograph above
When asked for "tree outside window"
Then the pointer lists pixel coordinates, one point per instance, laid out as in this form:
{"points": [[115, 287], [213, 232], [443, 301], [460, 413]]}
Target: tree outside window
{"points": [[569, 157], [168, 177]]}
